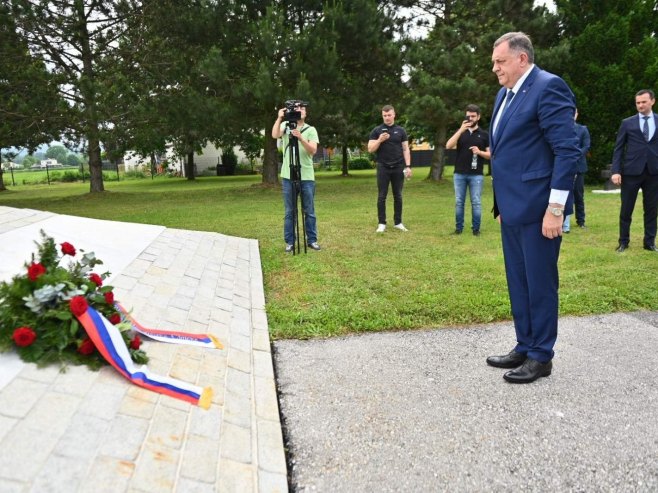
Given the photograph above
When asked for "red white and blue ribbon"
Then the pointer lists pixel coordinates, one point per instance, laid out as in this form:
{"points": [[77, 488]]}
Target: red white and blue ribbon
{"points": [[109, 342], [203, 340]]}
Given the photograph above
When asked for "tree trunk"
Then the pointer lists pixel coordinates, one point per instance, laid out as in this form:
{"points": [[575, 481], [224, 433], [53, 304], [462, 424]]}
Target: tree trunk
{"points": [[189, 166], [270, 161], [88, 92], [95, 165], [436, 170], [2, 181], [345, 170]]}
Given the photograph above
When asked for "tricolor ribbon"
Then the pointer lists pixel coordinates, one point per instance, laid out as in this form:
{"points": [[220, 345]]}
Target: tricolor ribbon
{"points": [[109, 342], [203, 340]]}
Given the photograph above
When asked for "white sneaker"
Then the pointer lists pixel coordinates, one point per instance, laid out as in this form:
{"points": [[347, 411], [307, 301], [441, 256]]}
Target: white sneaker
{"points": [[381, 228], [400, 227]]}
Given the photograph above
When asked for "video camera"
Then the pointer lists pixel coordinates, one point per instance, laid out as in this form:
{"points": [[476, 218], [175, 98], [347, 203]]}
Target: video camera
{"points": [[292, 114]]}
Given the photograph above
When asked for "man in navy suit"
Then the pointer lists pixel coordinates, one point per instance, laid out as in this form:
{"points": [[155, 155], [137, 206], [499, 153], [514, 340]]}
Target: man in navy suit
{"points": [[635, 167], [534, 154]]}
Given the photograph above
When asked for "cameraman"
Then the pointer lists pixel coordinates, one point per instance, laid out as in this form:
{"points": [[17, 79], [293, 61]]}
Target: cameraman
{"points": [[307, 137], [472, 144]]}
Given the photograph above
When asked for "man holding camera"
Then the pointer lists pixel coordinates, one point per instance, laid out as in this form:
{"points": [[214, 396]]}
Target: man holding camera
{"points": [[291, 121], [390, 144], [472, 144]]}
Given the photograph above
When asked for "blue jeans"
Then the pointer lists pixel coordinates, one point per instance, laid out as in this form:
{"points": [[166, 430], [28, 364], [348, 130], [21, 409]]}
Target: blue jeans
{"points": [[290, 205], [474, 183]]}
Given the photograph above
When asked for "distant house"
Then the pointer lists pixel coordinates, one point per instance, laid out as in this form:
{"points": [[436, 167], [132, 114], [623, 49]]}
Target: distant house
{"points": [[46, 163], [10, 165], [50, 163]]}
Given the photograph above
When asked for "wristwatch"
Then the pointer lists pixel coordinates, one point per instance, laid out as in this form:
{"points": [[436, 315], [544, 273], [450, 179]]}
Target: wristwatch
{"points": [[556, 211]]}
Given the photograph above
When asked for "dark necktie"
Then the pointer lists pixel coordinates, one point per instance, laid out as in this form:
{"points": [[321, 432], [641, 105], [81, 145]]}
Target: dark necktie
{"points": [[508, 98], [645, 128]]}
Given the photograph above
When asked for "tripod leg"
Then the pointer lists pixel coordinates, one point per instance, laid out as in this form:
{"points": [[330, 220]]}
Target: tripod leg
{"points": [[295, 216]]}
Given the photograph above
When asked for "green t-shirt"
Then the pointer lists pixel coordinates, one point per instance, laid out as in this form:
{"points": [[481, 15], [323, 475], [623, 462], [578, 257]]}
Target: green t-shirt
{"points": [[305, 159]]}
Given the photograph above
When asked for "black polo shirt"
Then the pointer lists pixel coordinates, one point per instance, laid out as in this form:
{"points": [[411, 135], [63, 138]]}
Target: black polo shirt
{"points": [[390, 153], [468, 139]]}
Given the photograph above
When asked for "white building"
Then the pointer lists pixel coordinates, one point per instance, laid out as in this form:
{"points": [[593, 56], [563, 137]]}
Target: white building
{"points": [[209, 158]]}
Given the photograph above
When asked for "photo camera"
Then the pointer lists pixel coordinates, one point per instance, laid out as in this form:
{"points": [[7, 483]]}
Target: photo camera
{"points": [[292, 113]]}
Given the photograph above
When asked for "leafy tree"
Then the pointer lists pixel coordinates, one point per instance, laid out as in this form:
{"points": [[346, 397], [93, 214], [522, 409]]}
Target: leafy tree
{"points": [[180, 66], [29, 161], [452, 66], [353, 66], [29, 104], [73, 160], [77, 40], [57, 152], [610, 52]]}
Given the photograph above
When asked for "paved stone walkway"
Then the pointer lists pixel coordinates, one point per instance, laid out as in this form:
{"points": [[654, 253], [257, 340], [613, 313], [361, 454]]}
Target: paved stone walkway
{"points": [[94, 431]]}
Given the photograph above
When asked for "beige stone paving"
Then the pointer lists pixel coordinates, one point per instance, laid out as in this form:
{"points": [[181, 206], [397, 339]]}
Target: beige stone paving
{"points": [[94, 431]]}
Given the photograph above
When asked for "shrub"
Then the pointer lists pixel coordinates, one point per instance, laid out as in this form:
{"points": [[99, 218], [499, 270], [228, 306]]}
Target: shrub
{"points": [[135, 173], [361, 163], [70, 176]]}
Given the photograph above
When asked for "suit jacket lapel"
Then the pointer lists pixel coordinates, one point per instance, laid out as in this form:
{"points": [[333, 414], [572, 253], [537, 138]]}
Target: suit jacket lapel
{"points": [[517, 101]]}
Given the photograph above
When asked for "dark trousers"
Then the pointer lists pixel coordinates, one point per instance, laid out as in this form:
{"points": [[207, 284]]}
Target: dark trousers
{"points": [[395, 177], [532, 281], [630, 185], [579, 198]]}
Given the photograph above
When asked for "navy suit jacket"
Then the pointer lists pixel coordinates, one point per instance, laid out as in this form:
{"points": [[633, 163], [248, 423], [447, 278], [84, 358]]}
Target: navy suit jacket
{"points": [[534, 148], [632, 153]]}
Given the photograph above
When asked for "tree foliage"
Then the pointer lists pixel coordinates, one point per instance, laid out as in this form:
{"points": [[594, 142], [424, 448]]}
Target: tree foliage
{"points": [[30, 108], [611, 52], [451, 67], [76, 39]]}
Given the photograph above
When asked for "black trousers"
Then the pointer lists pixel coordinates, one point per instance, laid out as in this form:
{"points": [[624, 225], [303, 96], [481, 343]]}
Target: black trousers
{"points": [[630, 185], [394, 177]]}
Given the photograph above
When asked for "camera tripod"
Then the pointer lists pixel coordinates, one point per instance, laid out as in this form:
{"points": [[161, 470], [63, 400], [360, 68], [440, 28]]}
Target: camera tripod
{"points": [[296, 190]]}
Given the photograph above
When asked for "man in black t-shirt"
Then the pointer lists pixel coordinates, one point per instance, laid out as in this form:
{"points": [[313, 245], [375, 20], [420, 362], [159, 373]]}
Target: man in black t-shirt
{"points": [[390, 144], [472, 144]]}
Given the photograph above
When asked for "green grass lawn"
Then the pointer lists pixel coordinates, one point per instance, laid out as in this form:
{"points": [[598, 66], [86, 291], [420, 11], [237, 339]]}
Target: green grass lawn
{"points": [[361, 281]]}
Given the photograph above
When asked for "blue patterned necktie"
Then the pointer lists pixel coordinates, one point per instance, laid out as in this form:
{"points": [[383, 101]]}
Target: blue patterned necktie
{"points": [[645, 128]]}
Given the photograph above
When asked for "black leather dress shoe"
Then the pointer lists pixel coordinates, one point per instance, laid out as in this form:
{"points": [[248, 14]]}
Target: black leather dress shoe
{"points": [[621, 248], [530, 371], [511, 360], [651, 248]]}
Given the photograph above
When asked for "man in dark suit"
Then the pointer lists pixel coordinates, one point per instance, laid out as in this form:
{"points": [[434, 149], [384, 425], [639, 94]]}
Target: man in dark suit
{"points": [[635, 167], [533, 156]]}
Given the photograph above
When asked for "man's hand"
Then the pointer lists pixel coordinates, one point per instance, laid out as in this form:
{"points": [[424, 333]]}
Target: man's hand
{"points": [[383, 137], [552, 225], [474, 150], [296, 133], [282, 113], [616, 179]]}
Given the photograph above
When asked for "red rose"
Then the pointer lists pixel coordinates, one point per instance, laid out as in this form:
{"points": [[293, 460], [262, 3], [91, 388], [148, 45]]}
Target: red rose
{"points": [[34, 271], [68, 249], [24, 336], [96, 279], [136, 342], [86, 347], [78, 305], [109, 297], [115, 318]]}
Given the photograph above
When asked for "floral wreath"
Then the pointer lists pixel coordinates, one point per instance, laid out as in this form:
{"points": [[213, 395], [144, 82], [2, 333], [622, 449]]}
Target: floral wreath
{"points": [[38, 308]]}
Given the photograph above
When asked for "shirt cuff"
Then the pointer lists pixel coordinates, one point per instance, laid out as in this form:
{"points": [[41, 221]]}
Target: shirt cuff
{"points": [[558, 196]]}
